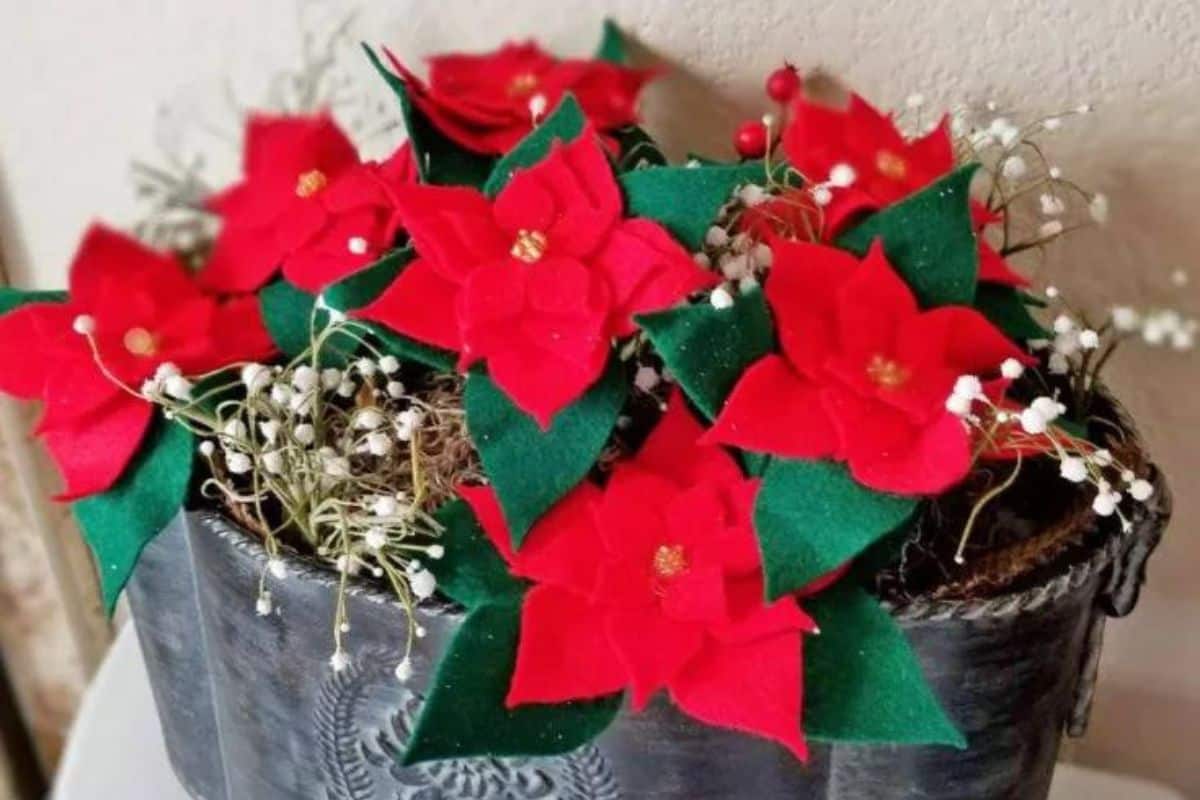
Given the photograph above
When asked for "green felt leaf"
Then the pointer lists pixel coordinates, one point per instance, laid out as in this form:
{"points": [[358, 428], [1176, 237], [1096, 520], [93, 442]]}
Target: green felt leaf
{"points": [[862, 681], [407, 349], [930, 240], [707, 349], [1008, 310], [439, 159], [812, 516], [288, 314], [464, 715], [471, 572], [532, 469], [359, 289], [119, 523], [686, 199], [11, 298], [636, 149], [612, 44], [565, 123]]}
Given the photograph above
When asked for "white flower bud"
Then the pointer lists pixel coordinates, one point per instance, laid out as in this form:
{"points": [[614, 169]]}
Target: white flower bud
{"points": [[1014, 168], [1073, 469], [1141, 490], [1089, 339], [273, 462], [423, 583], [330, 378], [716, 236], [395, 390], [752, 194], [365, 367], [269, 429], [379, 444], [1050, 229], [1032, 422], [263, 606], [1098, 208], [1048, 407], [1104, 504], [336, 467], [207, 448], [305, 434], [166, 370], [1012, 369], [256, 377], [1102, 457], [277, 568], [842, 175], [1058, 364], [404, 671], [1063, 324], [1052, 205], [1125, 319], [721, 299], [968, 386], [84, 324], [281, 394], [436, 551], [389, 364], [762, 255], [346, 388], [339, 660], [305, 378], [178, 387], [375, 538], [958, 404], [821, 195], [368, 419], [385, 506], [238, 463], [646, 378], [357, 245]]}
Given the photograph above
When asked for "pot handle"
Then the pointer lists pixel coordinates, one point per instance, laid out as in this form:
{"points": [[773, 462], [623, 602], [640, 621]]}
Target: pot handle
{"points": [[1120, 594]]}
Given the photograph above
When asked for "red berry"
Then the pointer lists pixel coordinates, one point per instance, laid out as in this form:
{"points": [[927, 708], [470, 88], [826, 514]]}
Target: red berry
{"points": [[782, 84], [750, 140]]}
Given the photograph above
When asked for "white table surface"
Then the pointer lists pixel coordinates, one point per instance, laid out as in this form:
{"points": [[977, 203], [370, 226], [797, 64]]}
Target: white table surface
{"points": [[116, 750]]}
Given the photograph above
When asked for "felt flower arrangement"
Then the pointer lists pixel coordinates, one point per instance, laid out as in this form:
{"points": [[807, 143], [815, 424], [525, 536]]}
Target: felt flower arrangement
{"points": [[686, 405]]}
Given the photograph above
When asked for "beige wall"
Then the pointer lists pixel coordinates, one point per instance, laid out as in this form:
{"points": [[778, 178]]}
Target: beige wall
{"points": [[67, 133]]}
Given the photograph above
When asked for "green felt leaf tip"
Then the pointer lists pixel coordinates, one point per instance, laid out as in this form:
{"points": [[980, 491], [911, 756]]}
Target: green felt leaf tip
{"points": [[612, 47], [288, 313], [812, 517], [464, 715], [360, 288], [1008, 310], [471, 572], [930, 239], [707, 349], [119, 523], [12, 299], [686, 200], [532, 469], [862, 682], [439, 159], [563, 124]]}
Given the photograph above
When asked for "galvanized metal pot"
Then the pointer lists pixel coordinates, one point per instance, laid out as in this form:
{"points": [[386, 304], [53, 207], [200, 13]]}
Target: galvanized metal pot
{"points": [[251, 711]]}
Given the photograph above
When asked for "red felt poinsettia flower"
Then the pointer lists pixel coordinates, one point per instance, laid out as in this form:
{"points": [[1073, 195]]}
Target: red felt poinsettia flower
{"points": [[488, 102], [144, 310], [863, 375], [305, 204], [887, 167], [655, 582], [537, 282]]}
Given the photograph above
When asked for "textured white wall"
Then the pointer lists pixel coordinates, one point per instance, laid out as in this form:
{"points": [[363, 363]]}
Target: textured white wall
{"points": [[82, 79]]}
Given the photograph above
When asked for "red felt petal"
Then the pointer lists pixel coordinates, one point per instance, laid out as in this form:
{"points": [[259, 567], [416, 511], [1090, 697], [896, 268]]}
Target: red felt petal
{"points": [[673, 450], [994, 269], [420, 304], [107, 258], [752, 619], [451, 228], [92, 449], [290, 145], [483, 502], [960, 338], [540, 382], [630, 517], [35, 339], [871, 306], [240, 333], [242, 260], [327, 258], [607, 92], [802, 291], [570, 196], [652, 649], [754, 688], [697, 595], [774, 410], [564, 548], [563, 652], [886, 451], [646, 270]]}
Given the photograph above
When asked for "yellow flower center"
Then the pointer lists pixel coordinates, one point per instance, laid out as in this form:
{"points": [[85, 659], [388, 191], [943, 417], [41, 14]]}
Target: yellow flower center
{"points": [[669, 561], [529, 246], [890, 165], [887, 373], [522, 83], [140, 342], [311, 182]]}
